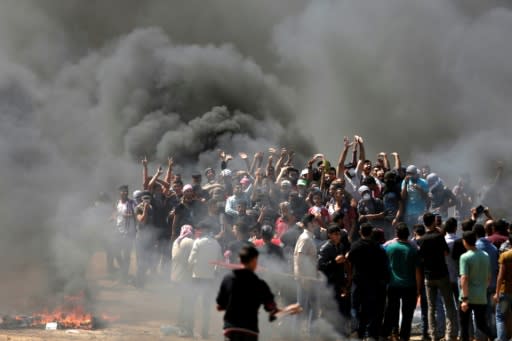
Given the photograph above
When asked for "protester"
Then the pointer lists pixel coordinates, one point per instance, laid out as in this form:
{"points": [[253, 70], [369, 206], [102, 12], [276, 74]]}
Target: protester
{"points": [[305, 270], [369, 274], [262, 201], [124, 233], [433, 250], [503, 294], [145, 238], [204, 250], [331, 262], [181, 275], [404, 286], [241, 308], [474, 276]]}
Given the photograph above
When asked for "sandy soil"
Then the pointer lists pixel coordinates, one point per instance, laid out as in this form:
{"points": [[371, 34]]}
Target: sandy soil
{"points": [[139, 313]]}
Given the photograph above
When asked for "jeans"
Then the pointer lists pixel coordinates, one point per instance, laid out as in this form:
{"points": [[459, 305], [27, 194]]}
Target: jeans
{"points": [[411, 220], [440, 316], [307, 298], [406, 296], [480, 318], [369, 300], [502, 308], [442, 285], [203, 289]]}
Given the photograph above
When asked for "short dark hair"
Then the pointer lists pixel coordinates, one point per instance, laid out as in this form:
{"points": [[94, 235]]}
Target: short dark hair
{"points": [[337, 216], [402, 231], [307, 219], [469, 237], [419, 229], [366, 229], [450, 226], [333, 229], [428, 219], [479, 230], [247, 253], [501, 226], [467, 225], [378, 235]]}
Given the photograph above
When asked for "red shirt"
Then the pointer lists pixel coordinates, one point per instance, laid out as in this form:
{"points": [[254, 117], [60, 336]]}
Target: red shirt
{"points": [[260, 242], [281, 227]]}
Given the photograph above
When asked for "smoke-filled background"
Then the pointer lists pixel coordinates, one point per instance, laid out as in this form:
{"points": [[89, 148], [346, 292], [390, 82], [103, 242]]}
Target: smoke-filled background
{"points": [[87, 88]]}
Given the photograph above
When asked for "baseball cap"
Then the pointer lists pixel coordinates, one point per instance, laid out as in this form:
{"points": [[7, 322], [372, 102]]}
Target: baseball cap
{"points": [[411, 169], [302, 182], [363, 189]]}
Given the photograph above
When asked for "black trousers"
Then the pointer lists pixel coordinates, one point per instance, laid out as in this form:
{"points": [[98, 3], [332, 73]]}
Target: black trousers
{"points": [[240, 336], [480, 311]]}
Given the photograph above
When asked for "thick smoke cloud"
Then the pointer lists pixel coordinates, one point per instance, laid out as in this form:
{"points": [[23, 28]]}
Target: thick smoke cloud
{"points": [[87, 88]]}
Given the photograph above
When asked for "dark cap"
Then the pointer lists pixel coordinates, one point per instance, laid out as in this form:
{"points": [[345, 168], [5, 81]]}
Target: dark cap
{"points": [[267, 231]]}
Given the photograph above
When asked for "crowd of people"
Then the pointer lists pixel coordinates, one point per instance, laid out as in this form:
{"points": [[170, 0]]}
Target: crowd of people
{"points": [[356, 244]]}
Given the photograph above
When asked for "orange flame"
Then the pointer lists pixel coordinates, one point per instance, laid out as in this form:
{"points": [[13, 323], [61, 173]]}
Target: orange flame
{"points": [[70, 315]]}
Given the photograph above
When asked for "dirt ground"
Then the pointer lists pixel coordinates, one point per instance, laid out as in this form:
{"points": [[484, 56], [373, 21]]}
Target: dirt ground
{"points": [[139, 314]]}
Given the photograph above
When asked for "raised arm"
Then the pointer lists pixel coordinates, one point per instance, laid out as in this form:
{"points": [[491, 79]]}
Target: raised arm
{"points": [[155, 177], [145, 173], [385, 161], [243, 156], [170, 165], [343, 155], [398, 162], [280, 161], [362, 152], [256, 162]]}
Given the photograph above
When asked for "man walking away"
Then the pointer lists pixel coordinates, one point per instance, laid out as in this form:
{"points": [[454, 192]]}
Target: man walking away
{"points": [[503, 295], [433, 250], [369, 271], [474, 277], [405, 285]]}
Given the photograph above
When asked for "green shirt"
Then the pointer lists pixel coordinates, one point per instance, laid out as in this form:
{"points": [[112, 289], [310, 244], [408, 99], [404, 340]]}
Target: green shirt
{"points": [[476, 266], [403, 261]]}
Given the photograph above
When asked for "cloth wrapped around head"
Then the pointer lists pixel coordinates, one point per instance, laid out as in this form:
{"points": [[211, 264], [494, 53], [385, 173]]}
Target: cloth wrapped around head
{"points": [[186, 231]]}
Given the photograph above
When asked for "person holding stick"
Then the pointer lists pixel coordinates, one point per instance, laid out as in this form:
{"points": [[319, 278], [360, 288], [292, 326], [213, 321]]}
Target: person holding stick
{"points": [[240, 295]]}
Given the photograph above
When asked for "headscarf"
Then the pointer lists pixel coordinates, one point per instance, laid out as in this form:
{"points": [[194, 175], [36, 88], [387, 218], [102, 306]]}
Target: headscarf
{"points": [[186, 231]]}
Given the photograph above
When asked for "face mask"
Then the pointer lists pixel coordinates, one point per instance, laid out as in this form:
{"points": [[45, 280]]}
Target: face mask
{"points": [[351, 172], [367, 196]]}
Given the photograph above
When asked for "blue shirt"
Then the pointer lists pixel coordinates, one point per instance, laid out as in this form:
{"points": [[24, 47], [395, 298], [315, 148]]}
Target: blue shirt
{"points": [[415, 203], [485, 245]]}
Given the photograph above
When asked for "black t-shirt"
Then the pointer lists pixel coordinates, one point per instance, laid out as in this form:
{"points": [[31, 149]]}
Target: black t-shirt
{"points": [[241, 294], [433, 248], [334, 272], [235, 247], [191, 214], [149, 222], [271, 256], [369, 262], [289, 238]]}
